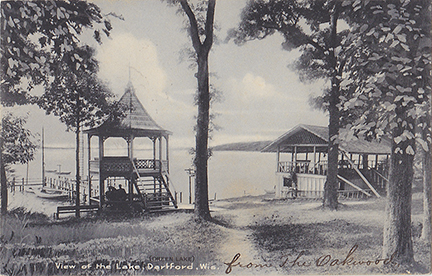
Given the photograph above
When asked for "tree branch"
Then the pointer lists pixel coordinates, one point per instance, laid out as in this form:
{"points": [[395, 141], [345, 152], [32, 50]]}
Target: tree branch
{"points": [[307, 38], [209, 25], [196, 42]]}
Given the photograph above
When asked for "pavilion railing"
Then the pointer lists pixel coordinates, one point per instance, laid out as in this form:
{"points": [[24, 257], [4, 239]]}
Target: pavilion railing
{"points": [[319, 168]]}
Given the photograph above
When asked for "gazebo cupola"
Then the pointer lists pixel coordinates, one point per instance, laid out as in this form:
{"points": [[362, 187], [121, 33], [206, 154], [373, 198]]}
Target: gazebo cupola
{"points": [[147, 179]]}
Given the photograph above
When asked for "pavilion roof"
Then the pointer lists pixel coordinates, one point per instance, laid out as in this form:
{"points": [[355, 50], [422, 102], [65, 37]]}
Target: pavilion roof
{"points": [[308, 136], [137, 121]]}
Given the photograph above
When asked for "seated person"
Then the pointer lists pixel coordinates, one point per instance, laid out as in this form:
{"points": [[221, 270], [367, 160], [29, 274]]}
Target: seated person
{"points": [[111, 193], [121, 194]]}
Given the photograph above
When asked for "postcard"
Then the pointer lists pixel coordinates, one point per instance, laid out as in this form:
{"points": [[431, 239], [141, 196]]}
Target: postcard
{"points": [[214, 137]]}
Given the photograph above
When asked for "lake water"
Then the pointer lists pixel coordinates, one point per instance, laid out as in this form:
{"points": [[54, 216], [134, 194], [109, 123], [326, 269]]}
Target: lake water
{"points": [[231, 173]]}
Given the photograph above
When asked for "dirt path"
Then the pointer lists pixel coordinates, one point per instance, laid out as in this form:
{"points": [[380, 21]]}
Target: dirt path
{"points": [[240, 239]]}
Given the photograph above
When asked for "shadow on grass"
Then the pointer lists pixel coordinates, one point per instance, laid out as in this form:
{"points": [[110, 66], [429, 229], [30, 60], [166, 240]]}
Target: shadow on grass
{"points": [[310, 236]]}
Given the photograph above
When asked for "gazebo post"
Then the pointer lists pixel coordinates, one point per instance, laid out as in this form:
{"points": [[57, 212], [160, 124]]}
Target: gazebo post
{"points": [[89, 136], [167, 155], [130, 140], [101, 177], [160, 161], [154, 161]]}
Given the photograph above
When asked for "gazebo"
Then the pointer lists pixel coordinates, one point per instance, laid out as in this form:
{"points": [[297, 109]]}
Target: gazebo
{"points": [[301, 164], [147, 180]]}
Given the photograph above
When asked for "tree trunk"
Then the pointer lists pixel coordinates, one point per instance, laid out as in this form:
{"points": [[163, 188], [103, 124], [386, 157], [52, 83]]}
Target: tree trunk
{"points": [[4, 192], [397, 228], [331, 186], [202, 132], [202, 50], [426, 230], [3, 180]]}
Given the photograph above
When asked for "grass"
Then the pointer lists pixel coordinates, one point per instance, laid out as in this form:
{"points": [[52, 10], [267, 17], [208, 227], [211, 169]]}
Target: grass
{"points": [[296, 227], [93, 241], [263, 231]]}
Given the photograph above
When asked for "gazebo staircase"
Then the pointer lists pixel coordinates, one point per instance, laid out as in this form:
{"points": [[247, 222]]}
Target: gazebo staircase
{"points": [[154, 190]]}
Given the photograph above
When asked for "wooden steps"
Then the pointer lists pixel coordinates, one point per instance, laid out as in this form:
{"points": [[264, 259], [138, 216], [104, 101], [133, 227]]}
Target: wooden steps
{"points": [[154, 190]]}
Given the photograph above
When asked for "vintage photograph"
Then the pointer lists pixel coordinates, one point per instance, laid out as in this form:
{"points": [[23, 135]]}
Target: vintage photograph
{"points": [[214, 137]]}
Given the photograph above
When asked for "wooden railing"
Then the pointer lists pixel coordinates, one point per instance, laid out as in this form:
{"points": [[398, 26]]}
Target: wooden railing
{"points": [[123, 164], [116, 165], [379, 179], [147, 164], [352, 194], [342, 194], [307, 167], [381, 166]]}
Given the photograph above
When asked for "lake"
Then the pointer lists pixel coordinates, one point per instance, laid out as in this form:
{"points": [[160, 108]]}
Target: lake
{"points": [[231, 173]]}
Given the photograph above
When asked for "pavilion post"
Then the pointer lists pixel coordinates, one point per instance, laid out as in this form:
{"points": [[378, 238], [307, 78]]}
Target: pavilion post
{"points": [[365, 161], [278, 158], [376, 161], [314, 159]]}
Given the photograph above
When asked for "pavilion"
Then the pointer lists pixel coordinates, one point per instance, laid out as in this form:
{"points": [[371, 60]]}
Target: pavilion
{"points": [[301, 164]]}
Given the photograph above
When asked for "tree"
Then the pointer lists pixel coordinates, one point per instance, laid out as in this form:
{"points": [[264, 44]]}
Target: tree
{"points": [[312, 27], [391, 85], [17, 146], [201, 33], [80, 100], [36, 36]]}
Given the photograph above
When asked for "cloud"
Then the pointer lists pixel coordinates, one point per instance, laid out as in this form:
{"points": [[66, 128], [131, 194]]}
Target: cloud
{"points": [[171, 108], [146, 73], [255, 86]]}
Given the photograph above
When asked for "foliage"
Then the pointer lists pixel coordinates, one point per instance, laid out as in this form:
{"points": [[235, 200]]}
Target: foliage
{"points": [[38, 34], [389, 85], [18, 143], [390, 73], [78, 98], [303, 24]]}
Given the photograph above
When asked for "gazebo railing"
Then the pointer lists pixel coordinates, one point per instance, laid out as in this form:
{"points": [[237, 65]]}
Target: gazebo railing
{"points": [[121, 164], [147, 164]]}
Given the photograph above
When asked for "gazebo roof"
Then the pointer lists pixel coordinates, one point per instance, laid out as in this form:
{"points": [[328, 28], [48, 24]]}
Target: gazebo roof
{"points": [[137, 121], [305, 136]]}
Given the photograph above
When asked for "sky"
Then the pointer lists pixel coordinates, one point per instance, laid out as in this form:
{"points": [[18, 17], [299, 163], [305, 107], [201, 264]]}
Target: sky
{"points": [[261, 98]]}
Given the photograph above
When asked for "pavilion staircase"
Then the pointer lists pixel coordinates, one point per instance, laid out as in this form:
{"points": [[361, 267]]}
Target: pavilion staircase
{"points": [[378, 179], [154, 190]]}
